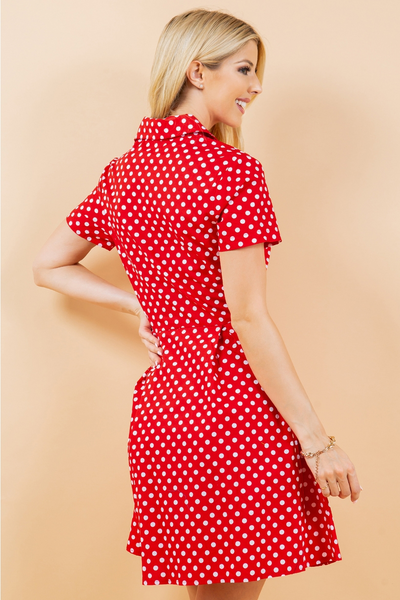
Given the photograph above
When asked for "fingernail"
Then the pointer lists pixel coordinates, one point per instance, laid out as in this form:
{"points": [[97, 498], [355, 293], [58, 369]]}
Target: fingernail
{"points": [[361, 488], [354, 501]]}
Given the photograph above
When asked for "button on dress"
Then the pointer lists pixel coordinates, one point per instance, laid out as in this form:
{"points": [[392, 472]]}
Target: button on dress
{"points": [[221, 492]]}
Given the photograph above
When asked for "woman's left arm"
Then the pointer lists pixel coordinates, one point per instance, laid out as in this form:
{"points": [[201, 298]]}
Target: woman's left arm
{"points": [[57, 267]]}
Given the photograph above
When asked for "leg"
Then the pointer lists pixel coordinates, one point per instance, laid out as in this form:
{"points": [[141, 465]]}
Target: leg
{"points": [[192, 590], [229, 591]]}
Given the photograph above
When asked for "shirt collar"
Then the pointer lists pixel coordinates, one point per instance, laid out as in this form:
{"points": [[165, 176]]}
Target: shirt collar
{"points": [[170, 127]]}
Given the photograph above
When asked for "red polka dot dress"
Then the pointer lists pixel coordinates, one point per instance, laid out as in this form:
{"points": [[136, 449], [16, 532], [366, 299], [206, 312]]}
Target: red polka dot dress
{"points": [[221, 493]]}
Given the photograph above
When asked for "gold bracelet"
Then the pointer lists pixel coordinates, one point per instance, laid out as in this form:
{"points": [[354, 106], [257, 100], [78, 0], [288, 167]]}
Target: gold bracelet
{"points": [[318, 453]]}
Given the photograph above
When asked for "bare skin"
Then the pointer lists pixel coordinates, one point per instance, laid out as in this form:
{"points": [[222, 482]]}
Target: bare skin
{"points": [[215, 101], [58, 267], [226, 591]]}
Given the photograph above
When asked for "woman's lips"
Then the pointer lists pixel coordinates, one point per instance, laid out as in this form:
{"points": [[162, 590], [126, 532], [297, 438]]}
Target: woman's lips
{"points": [[240, 108]]}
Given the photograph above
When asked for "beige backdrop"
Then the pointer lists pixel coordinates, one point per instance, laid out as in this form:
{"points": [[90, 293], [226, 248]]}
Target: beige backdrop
{"points": [[326, 129]]}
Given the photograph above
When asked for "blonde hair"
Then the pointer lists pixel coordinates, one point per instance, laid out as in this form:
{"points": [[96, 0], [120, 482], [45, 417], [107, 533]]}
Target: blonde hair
{"points": [[206, 36]]}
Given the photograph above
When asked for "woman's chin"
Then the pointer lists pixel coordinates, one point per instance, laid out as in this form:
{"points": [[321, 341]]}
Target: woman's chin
{"points": [[233, 122]]}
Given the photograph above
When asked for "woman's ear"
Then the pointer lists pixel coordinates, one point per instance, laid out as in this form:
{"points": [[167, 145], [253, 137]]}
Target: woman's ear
{"points": [[195, 74]]}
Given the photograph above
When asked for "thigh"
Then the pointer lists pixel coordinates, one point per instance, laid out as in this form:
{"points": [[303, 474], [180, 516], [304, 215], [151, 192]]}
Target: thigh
{"points": [[229, 591], [192, 590]]}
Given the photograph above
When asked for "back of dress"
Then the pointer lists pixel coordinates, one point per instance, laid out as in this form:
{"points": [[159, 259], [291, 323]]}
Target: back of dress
{"points": [[221, 492]]}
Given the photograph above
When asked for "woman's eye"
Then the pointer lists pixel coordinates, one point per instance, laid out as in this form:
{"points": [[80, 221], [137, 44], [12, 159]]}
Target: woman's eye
{"points": [[245, 70]]}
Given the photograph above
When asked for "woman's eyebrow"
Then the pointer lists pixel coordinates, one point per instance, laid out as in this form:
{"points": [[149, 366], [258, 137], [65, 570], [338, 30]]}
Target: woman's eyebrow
{"points": [[245, 60]]}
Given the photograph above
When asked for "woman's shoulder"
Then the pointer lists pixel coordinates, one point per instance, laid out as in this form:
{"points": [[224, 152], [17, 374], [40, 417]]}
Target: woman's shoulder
{"points": [[224, 159], [233, 161], [230, 152]]}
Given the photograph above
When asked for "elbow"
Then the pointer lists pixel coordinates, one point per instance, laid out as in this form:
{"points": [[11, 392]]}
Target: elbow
{"points": [[38, 274], [37, 279], [250, 318]]}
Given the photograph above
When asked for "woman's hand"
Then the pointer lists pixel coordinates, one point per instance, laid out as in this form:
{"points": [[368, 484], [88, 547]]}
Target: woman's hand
{"points": [[149, 340], [336, 474]]}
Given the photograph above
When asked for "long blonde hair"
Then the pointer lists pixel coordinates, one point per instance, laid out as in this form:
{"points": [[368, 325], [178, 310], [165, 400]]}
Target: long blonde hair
{"points": [[206, 36]]}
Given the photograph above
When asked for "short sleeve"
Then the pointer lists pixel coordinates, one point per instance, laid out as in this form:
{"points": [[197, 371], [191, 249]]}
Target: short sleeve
{"points": [[91, 219], [248, 216]]}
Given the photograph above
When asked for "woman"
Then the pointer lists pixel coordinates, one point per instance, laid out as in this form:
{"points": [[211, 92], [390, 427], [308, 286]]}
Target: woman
{"points": [[231, 467]]}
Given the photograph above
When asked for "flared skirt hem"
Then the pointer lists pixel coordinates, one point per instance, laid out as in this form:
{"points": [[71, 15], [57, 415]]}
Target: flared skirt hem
{"points": [[257, 573]]}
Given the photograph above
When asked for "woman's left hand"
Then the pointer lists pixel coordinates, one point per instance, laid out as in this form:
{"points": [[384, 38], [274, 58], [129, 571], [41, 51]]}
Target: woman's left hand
{"points": [[336, 474], [149, 340]]}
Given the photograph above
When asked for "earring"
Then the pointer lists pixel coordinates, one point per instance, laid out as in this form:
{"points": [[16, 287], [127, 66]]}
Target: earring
{"points": [[201, 86]]}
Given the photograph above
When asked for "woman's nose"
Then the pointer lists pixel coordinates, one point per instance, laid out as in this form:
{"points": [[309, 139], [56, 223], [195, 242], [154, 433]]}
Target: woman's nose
{"points": [[255, 87]]}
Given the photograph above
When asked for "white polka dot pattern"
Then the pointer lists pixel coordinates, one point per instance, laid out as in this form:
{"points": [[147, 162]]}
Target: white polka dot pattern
{"points": [[221, 492]]}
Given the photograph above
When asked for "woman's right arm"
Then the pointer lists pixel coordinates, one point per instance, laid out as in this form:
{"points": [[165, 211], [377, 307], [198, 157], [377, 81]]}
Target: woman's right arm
{"points": [[57, 267], [245, 281]]}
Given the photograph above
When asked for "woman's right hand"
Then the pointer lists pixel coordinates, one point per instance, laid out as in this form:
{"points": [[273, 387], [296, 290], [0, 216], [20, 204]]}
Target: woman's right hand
{"points": [[149, 340]]}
